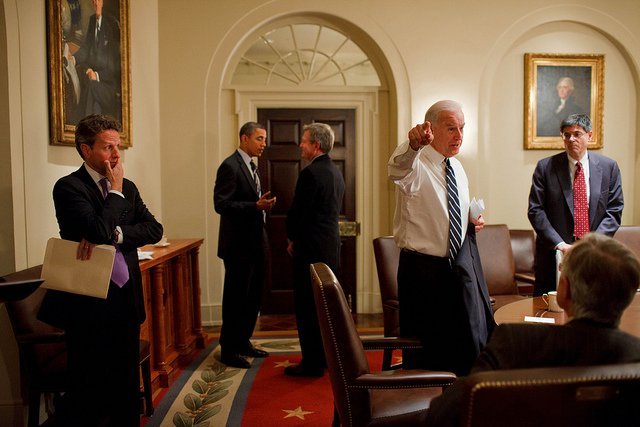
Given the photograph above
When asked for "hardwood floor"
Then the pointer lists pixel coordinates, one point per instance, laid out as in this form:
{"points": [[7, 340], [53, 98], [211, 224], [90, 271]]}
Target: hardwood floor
{"points": [[287, 322]]}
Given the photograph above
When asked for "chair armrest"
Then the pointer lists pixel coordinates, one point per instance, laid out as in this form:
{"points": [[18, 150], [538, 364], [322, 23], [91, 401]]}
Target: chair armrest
{"points": [[391, 343], [526, 278], [41, 338], [405, 378]]}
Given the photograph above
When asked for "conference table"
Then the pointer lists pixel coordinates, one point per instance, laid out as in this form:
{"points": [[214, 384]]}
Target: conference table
{"points": [[536, 307]]}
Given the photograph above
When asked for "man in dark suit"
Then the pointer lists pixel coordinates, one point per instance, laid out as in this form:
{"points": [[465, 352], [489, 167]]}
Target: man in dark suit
{"points": [[441, 288], [98, 64], [242, 243], [102, 335], [313, 236], [598, 282], [551, 199]]}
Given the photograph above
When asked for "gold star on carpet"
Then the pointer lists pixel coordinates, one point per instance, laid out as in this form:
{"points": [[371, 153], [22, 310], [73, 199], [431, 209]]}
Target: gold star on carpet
{"points": [[298, 412], [284, 364]]}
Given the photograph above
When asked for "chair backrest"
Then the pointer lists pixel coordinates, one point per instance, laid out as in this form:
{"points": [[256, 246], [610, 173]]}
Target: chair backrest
{"points": [[44, 342], [343, 349], [494, 245], [523, 247], [605, 395], [630, 236], [387, 255]]}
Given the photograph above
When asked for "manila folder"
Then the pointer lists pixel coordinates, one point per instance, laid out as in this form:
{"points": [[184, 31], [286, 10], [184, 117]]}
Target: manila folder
{"points": [[63, 272]]}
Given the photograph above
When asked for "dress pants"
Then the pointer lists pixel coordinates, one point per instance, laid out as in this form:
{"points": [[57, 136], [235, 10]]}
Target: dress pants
{"points": [[432, 309], [311, 346], [241, 297], [103, 361]]}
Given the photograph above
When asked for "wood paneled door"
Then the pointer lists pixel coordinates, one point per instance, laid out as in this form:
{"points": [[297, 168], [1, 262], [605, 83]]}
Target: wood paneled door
{"points": [[279, 167]]}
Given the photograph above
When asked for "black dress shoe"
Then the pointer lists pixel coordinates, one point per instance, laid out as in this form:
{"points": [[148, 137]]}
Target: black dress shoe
{"points": [[235, 360], [302, 371], [254, 352]]}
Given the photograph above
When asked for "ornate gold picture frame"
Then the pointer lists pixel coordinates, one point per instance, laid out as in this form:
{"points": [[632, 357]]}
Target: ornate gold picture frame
{"points": [[556, 86], [88, 59]]}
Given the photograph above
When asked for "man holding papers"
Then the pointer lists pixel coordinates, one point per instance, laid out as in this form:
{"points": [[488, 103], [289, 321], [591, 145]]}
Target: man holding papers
{"points": [[441, 288], [97, 205]]}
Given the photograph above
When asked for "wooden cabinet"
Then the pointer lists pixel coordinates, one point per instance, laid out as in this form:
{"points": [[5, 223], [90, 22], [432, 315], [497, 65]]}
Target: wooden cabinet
{"points": [[171, 284]]}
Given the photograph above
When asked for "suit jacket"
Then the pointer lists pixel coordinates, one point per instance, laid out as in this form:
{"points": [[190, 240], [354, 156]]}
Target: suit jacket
{"points": [[82, 212], [474, 290], [234, 198], [312, 221], [551, 205], [515, 346], [102, 54], [549, 121]]}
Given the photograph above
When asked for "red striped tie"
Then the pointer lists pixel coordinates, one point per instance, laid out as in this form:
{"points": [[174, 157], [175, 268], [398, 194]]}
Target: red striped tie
{"points": [[580, 205]]}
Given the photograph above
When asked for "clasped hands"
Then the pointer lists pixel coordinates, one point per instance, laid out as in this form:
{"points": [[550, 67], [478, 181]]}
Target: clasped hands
{"points": [[265, 203]]}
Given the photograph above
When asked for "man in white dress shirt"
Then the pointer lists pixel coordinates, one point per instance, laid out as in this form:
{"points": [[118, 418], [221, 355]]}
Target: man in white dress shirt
{"points": [[441, 289]]}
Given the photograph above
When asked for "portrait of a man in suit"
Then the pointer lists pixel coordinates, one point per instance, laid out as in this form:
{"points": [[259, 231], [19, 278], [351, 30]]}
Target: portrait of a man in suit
{"points": [[91, 59], [561, 92]]}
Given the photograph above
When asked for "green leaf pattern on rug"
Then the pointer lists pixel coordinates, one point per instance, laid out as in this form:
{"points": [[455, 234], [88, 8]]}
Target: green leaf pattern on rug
{"points": [[288, 344], [212, 387]]}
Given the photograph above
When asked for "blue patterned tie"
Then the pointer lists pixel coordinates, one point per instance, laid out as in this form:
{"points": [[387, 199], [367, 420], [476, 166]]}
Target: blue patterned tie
{"points": [[453, 203], [120, 271]]}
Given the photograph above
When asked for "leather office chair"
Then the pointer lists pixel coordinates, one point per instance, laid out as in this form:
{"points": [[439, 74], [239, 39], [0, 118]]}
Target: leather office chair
{"points": [[605, 395], [43, 353], [630, 236], [387, 255], [361, 398], [523, 246], [494, 245]]}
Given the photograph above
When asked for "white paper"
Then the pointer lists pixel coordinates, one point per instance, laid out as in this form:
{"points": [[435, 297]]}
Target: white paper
{"points": [[63, 272], [539, 319], [476, 207], [144, 255]]}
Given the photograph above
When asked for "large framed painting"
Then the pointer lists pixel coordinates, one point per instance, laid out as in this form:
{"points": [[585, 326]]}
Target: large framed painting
{"points": [[556, 86], [88, 59]]}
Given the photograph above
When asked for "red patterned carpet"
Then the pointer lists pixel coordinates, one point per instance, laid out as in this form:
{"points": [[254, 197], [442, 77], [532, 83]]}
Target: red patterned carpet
{"points": [[209, 394]]}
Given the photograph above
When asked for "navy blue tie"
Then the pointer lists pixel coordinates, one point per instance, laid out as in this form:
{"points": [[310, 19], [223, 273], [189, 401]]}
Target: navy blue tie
{"points": [[453, 204]]}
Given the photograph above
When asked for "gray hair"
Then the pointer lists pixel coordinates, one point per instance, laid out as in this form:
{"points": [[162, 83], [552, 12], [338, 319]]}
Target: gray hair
{"points": [[567, 80], [604, 276], [445, 105], [581, 120], [321, 133]]}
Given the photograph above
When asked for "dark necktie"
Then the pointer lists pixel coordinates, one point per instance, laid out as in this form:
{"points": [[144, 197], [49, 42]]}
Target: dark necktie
{"points": [[453, 204], [580, 204], [120, 271], [256, 178]]}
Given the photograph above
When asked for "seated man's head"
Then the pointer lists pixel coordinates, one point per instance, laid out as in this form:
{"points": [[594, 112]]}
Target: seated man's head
{"points": [[599, 279]]}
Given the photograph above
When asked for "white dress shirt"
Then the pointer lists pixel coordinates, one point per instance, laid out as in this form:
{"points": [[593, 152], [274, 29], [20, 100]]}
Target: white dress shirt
{"points": [[421, 221]]}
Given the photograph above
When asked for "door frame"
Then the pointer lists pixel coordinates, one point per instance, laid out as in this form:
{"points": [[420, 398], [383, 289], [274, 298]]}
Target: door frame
{"points": [[372, 188]]}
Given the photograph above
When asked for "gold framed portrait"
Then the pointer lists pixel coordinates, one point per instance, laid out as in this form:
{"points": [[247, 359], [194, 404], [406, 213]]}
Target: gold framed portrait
{"points": [[88, 60], [556, 86]]}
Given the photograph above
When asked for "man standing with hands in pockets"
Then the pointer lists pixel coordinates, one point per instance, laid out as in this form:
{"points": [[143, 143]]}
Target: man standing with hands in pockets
{"points": [[441, 288]]}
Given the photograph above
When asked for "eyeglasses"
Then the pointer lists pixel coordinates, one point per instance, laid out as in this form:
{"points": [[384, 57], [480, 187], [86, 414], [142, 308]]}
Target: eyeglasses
{"points": [[577, 135]]}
